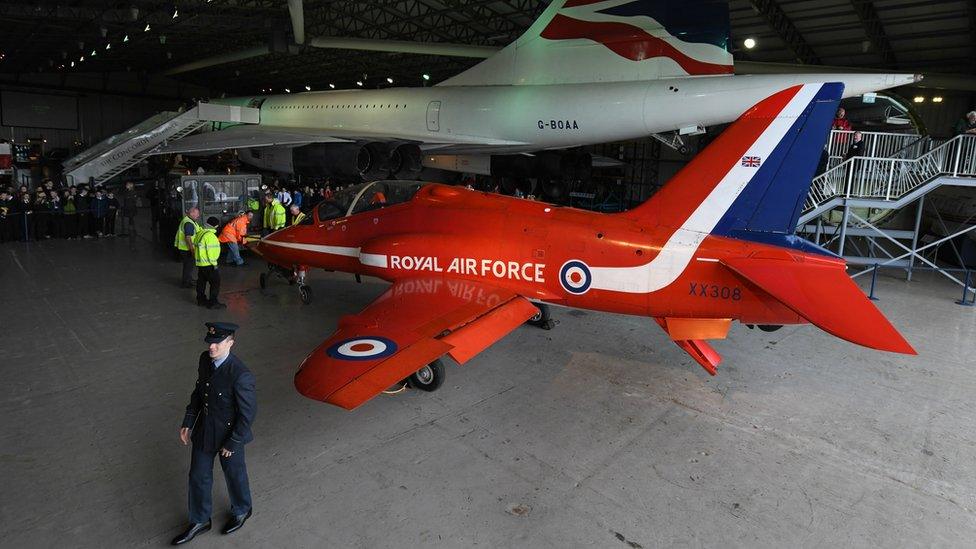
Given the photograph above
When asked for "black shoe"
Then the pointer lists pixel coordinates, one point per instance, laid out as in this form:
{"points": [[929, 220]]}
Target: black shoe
{"points": [[191, 532], [217, 305], [235, 523]]}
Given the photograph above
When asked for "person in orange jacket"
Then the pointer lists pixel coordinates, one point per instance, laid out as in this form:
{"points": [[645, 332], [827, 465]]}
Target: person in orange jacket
{"points": [[233, 235]]}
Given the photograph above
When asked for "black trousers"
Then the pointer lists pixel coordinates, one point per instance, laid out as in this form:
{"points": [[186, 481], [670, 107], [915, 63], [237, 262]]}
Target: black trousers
{"points": [[208, 275], [128, 225], [188, 264], [84, 224], [70, 225], [201, 484]]}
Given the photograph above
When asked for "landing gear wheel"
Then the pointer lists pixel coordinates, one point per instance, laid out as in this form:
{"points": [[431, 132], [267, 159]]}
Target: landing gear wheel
{"points": [[542, 318], [429, 378], [305, 292], [263, 281]]}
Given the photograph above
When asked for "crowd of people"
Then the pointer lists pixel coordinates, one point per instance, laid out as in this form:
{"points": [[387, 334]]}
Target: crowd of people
{"points": [[70, 212]]}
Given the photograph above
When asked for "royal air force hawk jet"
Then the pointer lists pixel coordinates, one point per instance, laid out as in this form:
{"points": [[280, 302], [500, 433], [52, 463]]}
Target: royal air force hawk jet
{"points": [[715, 245], [585, 72]]}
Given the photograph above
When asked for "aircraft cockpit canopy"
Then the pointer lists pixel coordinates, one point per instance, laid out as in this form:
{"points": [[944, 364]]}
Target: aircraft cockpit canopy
{"points": [[367, 196]]}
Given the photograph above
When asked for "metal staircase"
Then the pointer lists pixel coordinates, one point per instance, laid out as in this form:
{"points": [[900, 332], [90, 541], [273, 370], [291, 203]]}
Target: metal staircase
{"points": [[120, 152], [892, 183], [862, 185]]}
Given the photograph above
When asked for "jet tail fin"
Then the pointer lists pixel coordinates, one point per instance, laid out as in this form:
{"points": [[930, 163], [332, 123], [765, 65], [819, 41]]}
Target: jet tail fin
{"points": [[751, 182], [820, 291], [581, 41]]}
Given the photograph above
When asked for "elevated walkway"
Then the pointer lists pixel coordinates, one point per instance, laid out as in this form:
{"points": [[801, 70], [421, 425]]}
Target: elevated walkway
{"points": [[118, 153]]}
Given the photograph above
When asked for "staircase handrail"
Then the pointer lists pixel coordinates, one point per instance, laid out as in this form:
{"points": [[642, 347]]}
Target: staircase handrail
{"points": [[891, 178]]}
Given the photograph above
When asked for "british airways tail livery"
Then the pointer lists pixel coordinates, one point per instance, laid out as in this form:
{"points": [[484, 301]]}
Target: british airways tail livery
{"points": [[581, 41], [714, 246], [586, 72]]}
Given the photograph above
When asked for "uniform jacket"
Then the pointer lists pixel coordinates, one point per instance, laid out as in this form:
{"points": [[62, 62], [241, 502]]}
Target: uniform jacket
{"points": [[235, 230], [222, 405]]}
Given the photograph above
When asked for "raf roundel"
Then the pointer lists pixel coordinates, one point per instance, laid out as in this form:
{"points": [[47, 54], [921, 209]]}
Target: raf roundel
{"points": [[575, 277], [362, 348]]}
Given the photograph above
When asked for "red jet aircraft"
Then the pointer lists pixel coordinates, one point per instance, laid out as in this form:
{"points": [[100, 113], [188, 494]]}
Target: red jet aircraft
{"points": [[716, 244]]}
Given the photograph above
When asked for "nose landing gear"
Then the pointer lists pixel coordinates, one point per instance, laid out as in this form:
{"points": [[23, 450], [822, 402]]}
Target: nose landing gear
{"points": [[293, 276]]}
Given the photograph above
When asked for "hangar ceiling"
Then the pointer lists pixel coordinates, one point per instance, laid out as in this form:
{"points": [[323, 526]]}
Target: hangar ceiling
{"points": [[46, 37]]}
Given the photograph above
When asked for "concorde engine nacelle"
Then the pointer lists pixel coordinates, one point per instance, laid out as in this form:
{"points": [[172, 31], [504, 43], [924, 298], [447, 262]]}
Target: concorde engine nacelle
{"points": [[366, 161]]}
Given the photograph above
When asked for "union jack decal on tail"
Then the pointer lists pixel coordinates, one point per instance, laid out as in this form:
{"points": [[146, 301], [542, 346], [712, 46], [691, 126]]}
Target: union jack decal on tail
{"points": [[751, 161]]}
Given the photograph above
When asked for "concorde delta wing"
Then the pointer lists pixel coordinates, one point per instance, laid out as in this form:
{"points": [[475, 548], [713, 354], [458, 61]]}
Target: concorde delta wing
{"points": [[243, 137], [416, 321]]}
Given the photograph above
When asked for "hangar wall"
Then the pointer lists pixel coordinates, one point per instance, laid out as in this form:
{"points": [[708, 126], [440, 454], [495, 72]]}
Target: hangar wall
{"points": [[940, 118], [107, 103]]}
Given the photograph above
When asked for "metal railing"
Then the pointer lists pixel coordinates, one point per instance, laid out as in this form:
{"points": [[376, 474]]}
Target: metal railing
{"points": [[892, 178], [876, 144]]}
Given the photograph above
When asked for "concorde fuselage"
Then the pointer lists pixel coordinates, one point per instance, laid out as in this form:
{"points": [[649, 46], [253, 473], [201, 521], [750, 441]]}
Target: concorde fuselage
{"points": [[512, 119]]}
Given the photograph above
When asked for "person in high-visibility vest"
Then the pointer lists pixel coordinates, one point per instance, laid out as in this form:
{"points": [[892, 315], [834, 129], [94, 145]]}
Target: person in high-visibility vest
{"points": [[183, 241], [297, 216], [274, 214], [233, 235], [206, 247]]}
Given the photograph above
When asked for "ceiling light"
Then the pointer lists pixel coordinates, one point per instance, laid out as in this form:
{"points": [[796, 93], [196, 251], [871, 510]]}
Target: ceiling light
{"points": [[308, 88], [94, 53], [425, 76], [749, 43], [919, 99], [937, 99], [108, 46], [104, 32], [147, 28], [359, 82], [332, 86], [72, 63], [176, 13], [287, 90], [388, 79], [82, 59], [126, 39]]}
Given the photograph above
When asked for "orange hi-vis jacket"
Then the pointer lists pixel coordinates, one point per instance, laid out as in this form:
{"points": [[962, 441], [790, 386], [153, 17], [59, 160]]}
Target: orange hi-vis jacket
{"points": [[235, 230]]}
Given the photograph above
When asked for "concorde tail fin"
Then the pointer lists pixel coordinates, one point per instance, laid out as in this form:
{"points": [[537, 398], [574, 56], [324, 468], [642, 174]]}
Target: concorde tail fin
{"points": [[582, 41]]}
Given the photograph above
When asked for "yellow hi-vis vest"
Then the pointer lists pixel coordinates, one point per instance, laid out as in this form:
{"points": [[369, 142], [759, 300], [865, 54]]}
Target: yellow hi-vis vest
{"points": [[179, 242], [206, 247], [274, 215], [298, 218]]}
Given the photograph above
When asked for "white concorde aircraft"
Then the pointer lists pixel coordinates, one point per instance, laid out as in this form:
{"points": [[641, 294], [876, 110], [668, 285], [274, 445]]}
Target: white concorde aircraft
{"points": [[586, 72]]}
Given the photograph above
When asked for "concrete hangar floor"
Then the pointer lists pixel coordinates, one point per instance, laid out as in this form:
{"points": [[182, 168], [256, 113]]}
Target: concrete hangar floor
{"points": [[598, 433]]}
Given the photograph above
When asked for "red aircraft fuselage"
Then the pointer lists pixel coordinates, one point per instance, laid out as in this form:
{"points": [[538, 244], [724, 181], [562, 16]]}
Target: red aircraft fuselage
{"points": [[456, 233]]}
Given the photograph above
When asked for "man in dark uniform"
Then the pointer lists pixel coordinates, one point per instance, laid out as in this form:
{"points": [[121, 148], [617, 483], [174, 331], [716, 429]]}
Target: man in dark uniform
{"points": [[220, 413]]}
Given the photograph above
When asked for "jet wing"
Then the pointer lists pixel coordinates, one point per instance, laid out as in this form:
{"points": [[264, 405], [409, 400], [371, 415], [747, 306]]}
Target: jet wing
{"points": [[415, 322], [252, 136], [243, 137]]}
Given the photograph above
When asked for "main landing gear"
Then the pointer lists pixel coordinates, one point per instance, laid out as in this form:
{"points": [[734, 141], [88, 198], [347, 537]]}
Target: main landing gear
{"points": [[427, 379], [542, 319], [293, 276]]}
